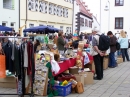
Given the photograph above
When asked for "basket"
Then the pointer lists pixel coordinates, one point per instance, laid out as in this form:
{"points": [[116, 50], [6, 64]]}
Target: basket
{"points": [[63, 90]]}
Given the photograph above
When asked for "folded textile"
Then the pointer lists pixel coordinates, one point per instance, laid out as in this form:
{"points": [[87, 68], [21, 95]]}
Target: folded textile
{"points": [[55, 66]]}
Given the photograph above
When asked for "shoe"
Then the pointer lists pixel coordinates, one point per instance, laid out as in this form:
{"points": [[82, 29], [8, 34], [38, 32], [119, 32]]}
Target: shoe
{"points": [[95, 78], [112, 66]]}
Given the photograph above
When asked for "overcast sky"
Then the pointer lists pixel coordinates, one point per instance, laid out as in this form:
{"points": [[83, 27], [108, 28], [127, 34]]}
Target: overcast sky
{"points": [[94, 6]]}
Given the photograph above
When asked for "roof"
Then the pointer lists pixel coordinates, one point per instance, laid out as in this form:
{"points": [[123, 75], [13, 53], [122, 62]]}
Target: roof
{"points": [[83, 8]]}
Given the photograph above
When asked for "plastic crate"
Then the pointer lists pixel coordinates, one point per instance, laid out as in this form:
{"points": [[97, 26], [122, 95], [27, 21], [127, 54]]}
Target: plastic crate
{"points": [[63, 90]]}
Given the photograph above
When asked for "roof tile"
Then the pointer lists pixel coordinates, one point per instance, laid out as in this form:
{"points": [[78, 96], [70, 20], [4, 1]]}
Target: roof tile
{"points": [[83, 9]]}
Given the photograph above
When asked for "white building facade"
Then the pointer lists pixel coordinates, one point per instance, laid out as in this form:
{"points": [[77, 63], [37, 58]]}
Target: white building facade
{"points": [[95, 23], [117, 17], [9, 10], [82, 19]]}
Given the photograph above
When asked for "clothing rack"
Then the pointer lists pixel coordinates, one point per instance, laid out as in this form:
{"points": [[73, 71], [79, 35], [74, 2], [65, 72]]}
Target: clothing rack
{"points": [[32, 78], [14, 37]]}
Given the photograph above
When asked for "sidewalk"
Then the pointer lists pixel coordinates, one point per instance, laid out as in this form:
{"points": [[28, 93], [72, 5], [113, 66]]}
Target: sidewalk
{"points": [[116, 83]]}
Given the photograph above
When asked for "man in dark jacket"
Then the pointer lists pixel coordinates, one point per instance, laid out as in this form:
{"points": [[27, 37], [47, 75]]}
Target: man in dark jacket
{"points": [[61, 43], [113, 40]]}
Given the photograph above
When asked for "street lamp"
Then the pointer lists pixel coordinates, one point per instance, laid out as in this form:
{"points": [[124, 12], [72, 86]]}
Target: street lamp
{"points": [[107, 8]]}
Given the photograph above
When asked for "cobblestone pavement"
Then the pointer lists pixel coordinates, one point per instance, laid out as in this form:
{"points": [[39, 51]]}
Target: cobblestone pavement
{"points": [[116, 83]]}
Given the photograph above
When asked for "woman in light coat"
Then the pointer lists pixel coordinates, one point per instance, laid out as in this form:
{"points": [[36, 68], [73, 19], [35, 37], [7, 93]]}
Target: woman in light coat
{"points": [[123, 40]]}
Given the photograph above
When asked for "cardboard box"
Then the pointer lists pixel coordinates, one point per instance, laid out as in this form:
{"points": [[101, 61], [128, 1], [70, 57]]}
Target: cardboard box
{"points": [[8, 82], [73, 70], [119, 60], [79, 78], [105, 63], [8, 85], [8, 79], [88, 77], [90, 66]]}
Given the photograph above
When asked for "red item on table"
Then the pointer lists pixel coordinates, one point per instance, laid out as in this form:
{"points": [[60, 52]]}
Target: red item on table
{"points": [[69, 63], [66, 65], [86, 45]]}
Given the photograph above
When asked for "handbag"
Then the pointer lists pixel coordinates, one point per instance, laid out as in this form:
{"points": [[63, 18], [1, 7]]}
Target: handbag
{"points": [[2, 64], [65, 76]]}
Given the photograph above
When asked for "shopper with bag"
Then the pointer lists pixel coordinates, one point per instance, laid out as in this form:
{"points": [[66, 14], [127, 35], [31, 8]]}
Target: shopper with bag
{"points": [[99, 41]]}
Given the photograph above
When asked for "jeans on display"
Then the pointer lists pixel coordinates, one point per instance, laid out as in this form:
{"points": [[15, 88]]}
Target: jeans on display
{"points": [[125, 54], [112, 61]]}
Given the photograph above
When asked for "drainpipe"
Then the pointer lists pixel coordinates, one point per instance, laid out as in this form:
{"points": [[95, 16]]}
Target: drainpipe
{"points": [[26, 14], [73, 19], [19, 14]]}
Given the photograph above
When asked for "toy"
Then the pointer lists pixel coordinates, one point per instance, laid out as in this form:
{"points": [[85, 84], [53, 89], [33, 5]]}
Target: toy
{"points": [[64, 83], [74, 82], [79, 63]]}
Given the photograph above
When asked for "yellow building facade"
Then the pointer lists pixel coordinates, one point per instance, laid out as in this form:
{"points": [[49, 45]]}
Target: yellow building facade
{"points": [[54, 13]]}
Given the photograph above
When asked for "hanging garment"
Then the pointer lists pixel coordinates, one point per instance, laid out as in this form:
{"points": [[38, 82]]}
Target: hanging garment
{"points": [[31, 65], [22, 67], [17, 59], [25, 56], [8, 53], [29, 58]]}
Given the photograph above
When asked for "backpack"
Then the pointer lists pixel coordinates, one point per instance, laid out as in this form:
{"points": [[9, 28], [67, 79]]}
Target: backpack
{"points": [[104, 42], [118, 46]]}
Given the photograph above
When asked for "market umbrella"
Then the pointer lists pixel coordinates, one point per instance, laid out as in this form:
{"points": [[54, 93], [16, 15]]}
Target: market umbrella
{"points": [[35, 29], [52, 30], [3, 28]]}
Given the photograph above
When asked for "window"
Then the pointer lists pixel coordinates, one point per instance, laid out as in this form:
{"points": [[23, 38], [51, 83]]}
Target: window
{"points": [[3, 24], [50, 26], [31, 25], [40, 24], [61, 28], [31, 5], [119, 2], [12, 25], [70, 29], [86, 23], [90, 24], [81, 21], [8, 4], [67, 29], [119, 23]]}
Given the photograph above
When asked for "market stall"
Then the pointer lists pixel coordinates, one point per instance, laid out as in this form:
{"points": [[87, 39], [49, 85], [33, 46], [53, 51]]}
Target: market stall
{"points": [[46, 75], [3, 28]]}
